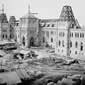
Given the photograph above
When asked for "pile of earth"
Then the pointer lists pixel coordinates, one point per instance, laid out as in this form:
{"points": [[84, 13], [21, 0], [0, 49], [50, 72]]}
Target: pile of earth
{"points": [[55, 80], [53, 75]]}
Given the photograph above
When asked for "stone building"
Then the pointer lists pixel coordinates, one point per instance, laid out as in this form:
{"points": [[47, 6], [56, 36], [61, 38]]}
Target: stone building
{"points": [[28, 30], [70, 35], [12, 24], [64, 34], [4, 27], [7, 28], [49, 30], [77, 43], [17, 32]]}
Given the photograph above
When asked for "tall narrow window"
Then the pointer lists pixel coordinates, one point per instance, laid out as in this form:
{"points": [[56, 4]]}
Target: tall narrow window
{"points": [[76, 44], [70, 51], [82, 35], [43, 39], [63, 43], [70, 43], [51, 39], [71, 34], [75, 52], [59, 42], [10, 36], [23, 41], [60, 34], [3, 36], [77, 35], [63, 34], [81, 48], [6, 36]]}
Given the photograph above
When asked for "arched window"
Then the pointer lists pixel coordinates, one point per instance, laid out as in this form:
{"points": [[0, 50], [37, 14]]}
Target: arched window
{"points": [[51, 39], [63, 43], [70, 43], [43, 39], [2, 36], [32, 41], [77, 35], [10, 36], [71, 34], [23, 40], [70, 51], [76, 44], [75, 52], [6, 36], [59, 42], [82, 35], [81, 48]]}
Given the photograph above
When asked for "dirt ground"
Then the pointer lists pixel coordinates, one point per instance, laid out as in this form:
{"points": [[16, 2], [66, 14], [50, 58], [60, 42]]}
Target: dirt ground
{"points": [[49, 69]]}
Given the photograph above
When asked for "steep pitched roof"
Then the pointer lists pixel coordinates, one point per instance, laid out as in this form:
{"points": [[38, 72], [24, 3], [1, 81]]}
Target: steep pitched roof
{"points": [[28, 16], [48, 20], [3, 18], [67, 14], [12, 19]]}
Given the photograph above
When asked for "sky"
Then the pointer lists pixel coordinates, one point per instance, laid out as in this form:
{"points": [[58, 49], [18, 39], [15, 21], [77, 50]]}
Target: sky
{"points": [[49, 9]]}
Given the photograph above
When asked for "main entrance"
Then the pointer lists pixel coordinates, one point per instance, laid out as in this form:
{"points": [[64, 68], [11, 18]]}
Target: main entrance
{"points": [[23, 40], [31, 41]]}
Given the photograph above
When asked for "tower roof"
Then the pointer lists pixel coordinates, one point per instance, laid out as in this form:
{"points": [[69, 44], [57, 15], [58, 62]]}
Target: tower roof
{"points": [[29, 14], [12, 19], [3, 18], [67, 13]]}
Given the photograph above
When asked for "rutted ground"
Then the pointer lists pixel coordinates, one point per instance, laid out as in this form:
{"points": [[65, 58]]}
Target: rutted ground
{"points": [[46, 71], [51, 69]]}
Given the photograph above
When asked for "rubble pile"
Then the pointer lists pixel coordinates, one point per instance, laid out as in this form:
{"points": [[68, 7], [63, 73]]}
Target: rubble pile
{"points": [[54, 80], [49, 60], [43, 71]]}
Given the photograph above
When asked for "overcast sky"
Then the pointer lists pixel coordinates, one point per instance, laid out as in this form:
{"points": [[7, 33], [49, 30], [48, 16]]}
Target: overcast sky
{"points": [[44, 8]]}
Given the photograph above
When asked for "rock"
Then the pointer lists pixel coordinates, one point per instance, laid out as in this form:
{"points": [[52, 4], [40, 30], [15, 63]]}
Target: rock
{"points": [[59, 83], [76, 76], [66, 81], [83, 80], [51, 83], [77, 79]]}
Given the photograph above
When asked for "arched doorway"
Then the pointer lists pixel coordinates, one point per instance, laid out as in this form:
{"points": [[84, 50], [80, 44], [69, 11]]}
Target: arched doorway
{"points": [[23, 40], [43, 39], [32, 41]]}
